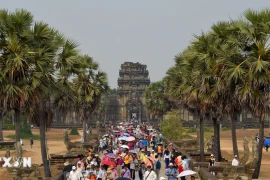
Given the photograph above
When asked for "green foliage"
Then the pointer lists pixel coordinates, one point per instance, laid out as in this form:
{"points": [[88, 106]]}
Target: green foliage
{"points": [[25, 136], [208, 129], [172, 127], [192, 130], [225, 129], [157, 101], [26, 129], [5, 148], [9, 126], [74, 131]]}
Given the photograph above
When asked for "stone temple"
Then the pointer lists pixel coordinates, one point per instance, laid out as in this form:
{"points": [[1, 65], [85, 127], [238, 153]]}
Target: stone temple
{"points": [[132, 81]]}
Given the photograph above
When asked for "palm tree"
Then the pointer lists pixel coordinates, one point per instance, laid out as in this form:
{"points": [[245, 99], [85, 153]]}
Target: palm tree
{"points": [[90, 84], [15, 61], [252, 73]]}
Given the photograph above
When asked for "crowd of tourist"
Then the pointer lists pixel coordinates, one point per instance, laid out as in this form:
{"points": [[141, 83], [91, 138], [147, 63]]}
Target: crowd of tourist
{"points": [[130, 150]]}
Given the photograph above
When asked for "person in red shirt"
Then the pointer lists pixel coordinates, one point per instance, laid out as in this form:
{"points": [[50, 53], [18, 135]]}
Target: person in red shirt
{"points": [[180, 169]]}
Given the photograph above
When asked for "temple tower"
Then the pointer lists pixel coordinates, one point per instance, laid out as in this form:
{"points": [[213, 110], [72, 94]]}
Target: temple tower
{"points": [[132, 81]]}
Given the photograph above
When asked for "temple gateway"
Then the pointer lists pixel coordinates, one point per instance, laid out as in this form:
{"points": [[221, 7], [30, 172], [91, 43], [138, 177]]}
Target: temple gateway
{"points": [[132, 81]]}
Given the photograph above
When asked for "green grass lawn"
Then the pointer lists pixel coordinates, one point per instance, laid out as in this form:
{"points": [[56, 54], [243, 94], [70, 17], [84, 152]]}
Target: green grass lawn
{"points": [[35, 137]]}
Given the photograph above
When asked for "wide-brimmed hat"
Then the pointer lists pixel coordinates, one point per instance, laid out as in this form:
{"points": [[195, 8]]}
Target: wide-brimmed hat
{"points": [[235, 156], [171, 164], [66, 163], [73, 167], [212, 155]]}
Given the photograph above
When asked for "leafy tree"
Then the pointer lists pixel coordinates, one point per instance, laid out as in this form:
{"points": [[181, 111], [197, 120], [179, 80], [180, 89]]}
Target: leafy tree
{"points": [[172, 127], [156, 100]]}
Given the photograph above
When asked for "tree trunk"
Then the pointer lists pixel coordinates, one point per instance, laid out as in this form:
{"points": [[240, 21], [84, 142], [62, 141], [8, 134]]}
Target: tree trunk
{"points": [[202, 158], [84, 130], [256, 172], [42, 128], [234, 138], [216, 149], [17, 124], [1, 126]]}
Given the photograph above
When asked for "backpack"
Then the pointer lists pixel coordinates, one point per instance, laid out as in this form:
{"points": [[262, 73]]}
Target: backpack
{"points": [[158, 165]]}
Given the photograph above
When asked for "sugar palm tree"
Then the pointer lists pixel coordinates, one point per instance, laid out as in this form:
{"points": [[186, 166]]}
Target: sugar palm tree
{"points": [[90, 84], [15, 61], [252, 73]]}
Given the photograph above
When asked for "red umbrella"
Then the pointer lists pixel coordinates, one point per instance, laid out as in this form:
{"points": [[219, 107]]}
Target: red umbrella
{"points": [[109, 163]]}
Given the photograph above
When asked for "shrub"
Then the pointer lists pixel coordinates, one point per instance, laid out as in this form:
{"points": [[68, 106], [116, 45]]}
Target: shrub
{"points": [[208, 129], [9, 126], [172, 127], [74, 131], [192, 130], [225, 129]]}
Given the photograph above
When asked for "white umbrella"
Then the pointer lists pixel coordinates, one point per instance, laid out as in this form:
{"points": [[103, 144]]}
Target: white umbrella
{"points": [[186, 173], [124, 146]]}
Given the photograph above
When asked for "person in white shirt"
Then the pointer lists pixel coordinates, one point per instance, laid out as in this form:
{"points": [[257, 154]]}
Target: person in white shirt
{"points": [[74, 175], [235, 161], [101, 173], [149, 174]]}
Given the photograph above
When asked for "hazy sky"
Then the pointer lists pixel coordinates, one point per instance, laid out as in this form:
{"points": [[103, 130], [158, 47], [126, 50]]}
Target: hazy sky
{"points": [[151, 32]]}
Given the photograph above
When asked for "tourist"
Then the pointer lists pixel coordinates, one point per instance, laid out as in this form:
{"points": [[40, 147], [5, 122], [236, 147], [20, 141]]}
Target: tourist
{"points": [[171, 172], [88, 170], [92, 176], [115, 150], [79, 166], [142, 169], [170, 147], [65, 170], [266, 143], [178, 159], [143, 156], [181, 169], [150, 174], [94, 162], [119, 163], [98, 159], [108, 175], [150, 161], [31, 142], [153, 154], [133, 163], [125, 172], [160, 151], [127, 158], [235, 161], [88, 160], [212, 162], [167, 158], [160, 138], [257, 138], [74, 175], [101, 173], [90, 130], [157, 166], [185, 162], [114, 172], [21, 142], [136, 175]]}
